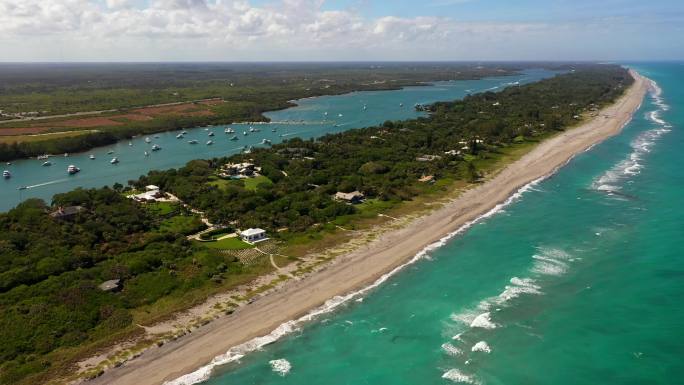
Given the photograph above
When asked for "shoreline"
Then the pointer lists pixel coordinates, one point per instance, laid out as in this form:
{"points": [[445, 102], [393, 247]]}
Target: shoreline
{"points": [[371, 264]]}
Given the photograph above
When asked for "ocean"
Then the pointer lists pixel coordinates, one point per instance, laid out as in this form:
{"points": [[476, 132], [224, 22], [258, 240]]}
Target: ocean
{"points": [[578, 280], [312, 117]]}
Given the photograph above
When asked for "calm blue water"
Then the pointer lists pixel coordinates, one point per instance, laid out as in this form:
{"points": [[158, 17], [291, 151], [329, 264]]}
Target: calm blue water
{"points": [[580, 281], [306, 120]]}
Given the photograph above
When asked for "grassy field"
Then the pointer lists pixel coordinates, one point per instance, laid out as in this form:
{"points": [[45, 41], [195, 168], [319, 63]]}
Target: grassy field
{"points": [[233, 243], [253, 183], [181, 225], [42, 137]]}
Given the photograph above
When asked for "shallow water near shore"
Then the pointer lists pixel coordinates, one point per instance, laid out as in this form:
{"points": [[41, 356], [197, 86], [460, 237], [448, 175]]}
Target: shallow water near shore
{"points": [[578, 281], [312, 117]]}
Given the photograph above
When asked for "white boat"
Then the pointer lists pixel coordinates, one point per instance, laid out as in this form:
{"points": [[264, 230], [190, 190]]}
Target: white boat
{"points": [[147, 153], [72, 169], [184, 132], [211, 134], [66, 154], [91, 157], [265, 141], [273, 130], [6, 174], [252, 129], [47, 163], [130, 143], [155, 147], [365, 107], [244, 133], [210, 142], [340, 115], [110, 152], [148, 140], [325, 113], [234, 138], [179, 136], [114, 160], [229, 131], [401, 104], [192, 141], [41, 157]]}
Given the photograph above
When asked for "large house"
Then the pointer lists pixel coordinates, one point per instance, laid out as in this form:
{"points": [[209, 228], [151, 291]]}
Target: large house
{"points": [[253, 235], [239, 170]]}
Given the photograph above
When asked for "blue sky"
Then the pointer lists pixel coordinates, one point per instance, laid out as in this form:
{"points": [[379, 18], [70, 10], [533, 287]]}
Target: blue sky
{"points": [[93, 30]]}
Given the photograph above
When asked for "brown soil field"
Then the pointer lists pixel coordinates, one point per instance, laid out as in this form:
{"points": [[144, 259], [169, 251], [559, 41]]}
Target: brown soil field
{"points": [[136, 115]]}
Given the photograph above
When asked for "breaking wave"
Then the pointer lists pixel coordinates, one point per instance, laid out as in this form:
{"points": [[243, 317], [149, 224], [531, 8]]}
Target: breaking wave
{"points": [[458, 377], [281, 366], [610, 181]]}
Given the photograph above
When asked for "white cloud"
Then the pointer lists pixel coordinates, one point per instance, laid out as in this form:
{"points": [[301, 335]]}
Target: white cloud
{"points": [[240, 30]]}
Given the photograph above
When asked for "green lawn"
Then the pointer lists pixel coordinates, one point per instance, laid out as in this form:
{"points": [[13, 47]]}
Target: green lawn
{"points": [[162, 208], [181, 225], [252, 183], [234, 243]]}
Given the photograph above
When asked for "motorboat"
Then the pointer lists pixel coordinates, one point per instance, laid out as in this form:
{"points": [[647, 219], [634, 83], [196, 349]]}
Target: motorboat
{"points": [[155, 147], [114, 160], [6, 174], [210, 142], [192, 141], [92, 157], [47, 163], [72, 169]]}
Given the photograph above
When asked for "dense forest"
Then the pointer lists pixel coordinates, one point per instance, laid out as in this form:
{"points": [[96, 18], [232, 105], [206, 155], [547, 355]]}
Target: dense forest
{"points": [[50, 268]]}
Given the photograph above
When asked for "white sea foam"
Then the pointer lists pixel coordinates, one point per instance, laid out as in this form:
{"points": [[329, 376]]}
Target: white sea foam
{"points": [[458, 377], [235, 353], [518, 287], [281, 366], [610, 181], [483, 321], [451, 349], [481, 346]]}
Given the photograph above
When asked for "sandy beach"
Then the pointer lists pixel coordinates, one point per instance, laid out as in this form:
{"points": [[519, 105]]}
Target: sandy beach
{"points": [[363, 266]]}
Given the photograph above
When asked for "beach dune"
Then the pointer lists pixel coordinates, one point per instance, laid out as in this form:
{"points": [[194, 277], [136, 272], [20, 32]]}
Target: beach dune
{"points": [[362, 267]]}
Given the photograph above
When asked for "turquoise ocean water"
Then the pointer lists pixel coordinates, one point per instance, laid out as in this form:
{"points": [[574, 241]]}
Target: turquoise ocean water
{"points": [[312, 117], [580, 280]]}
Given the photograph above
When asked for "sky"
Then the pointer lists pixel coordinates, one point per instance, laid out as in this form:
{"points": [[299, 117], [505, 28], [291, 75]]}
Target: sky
{"points": [[340, 30]]}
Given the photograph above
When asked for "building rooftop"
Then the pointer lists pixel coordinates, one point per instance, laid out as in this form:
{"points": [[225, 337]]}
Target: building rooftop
{"points": [[250, 232]]}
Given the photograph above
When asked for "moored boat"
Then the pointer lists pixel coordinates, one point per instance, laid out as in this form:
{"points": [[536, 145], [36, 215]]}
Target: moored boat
{"points": [[156, 147], [6, 174], [114, 160], [72, 169]]}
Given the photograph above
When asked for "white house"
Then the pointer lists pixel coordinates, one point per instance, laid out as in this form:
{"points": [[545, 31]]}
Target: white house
{"points": [[253, 235]]}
